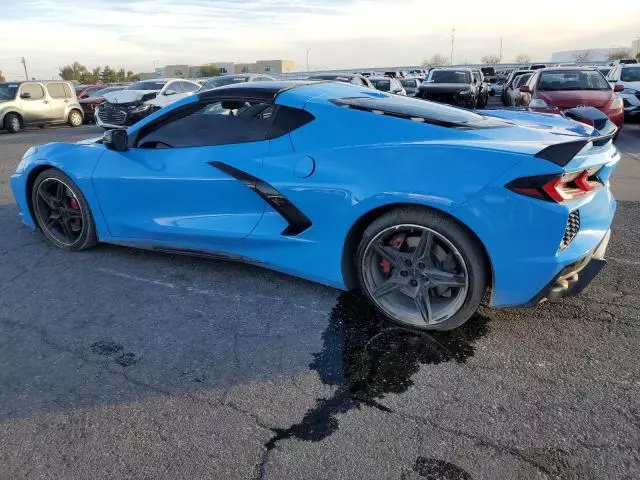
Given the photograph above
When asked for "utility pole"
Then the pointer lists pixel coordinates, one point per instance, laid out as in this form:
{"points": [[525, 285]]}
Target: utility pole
{"points": [[501, 38], [308, 51], [453, 41], [24, 64]]}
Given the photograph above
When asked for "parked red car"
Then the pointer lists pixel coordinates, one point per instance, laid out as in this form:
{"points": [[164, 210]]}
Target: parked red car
{"points": [[88, 91], [564, 88]]}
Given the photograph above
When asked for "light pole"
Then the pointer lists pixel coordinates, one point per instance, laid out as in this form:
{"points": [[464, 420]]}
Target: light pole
{"points": [[501, 38], [453, 41], [24, 64], [308, 52], [154, 67]]}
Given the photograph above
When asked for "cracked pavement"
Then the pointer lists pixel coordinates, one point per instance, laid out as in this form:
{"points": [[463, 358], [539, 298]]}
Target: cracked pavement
{"points": [[118, 363]]}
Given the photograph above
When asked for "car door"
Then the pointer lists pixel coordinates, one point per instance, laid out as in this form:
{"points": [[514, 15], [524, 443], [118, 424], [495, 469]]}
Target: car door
{"points": [[34, 103], [174, 185], [58, 101]]}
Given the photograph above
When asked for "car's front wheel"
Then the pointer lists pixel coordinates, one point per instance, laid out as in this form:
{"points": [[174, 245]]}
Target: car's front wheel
{"points": [[61, 211], [422, 269]]}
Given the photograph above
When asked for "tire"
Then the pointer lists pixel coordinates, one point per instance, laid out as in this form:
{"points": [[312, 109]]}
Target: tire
{"points": [[75, 118], [76, 215], [12, 123], [464, 263]]}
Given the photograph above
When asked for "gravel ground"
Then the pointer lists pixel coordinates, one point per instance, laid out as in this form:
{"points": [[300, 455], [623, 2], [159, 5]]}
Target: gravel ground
{"points": [[117, 363]]}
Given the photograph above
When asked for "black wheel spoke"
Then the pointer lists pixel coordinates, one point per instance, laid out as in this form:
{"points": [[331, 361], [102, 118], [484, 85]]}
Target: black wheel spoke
{"points": [[393, 256], [423, 302], [391, 285], [60, 188], [66, 228], [47, 198], [439, 278], [71, 213], [51, 221], [422, 252]]}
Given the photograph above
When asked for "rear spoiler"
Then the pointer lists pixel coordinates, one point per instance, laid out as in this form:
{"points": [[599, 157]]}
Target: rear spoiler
{"points": [[562, 153]]}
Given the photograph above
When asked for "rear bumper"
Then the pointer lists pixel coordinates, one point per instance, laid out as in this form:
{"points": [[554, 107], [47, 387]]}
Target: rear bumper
{"points": [[574, 278]]}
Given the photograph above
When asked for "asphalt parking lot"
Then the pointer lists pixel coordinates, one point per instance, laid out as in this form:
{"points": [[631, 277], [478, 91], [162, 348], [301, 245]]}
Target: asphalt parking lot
{"points": [[117, 363]]}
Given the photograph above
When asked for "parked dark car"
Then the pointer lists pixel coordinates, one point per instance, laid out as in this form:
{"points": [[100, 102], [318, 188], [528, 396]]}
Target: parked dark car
{"points": [[231, 79], [508, 85], [411, 85], [455, 86], [489, 73], [89, 104], [355, 78]]}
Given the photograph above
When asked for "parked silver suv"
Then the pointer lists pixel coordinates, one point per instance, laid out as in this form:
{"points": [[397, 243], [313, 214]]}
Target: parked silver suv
{"points": [[38, 103]]}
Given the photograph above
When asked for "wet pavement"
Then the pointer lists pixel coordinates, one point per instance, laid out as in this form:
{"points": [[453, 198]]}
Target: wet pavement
{"points": [[118, 363]]}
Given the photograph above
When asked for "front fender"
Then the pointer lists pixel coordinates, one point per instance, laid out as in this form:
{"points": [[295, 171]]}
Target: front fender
{"points": [[77, 161]]}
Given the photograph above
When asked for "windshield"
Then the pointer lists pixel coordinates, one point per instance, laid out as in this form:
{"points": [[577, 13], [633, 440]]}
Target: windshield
{"points": [[381, 84], [521, 80], [147, 85], [226, 80], [335, 78], [555, 81], [451, 76], [409, 83], [630, 74], [8, 91]]}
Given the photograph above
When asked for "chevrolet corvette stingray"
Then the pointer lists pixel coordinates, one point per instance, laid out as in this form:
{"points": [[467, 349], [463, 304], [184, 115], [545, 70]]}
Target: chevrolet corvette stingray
{"points": [[425, 208]]}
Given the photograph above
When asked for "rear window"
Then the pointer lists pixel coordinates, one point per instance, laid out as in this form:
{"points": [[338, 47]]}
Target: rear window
{"points": [[552, 81], [226, 80], [383, 84], [450, 76], [419, 110], [630, 74], [147, 85]]}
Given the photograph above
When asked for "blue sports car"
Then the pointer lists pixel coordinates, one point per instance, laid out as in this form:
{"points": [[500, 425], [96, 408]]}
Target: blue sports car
{"points": [[425, 208]]}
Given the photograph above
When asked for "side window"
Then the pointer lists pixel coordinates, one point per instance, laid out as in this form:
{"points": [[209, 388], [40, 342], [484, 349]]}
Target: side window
{"points": [[56, 90], [216, 123], [288, 119], [34, 89], [175, 86], [67, 91], [188, 87]]}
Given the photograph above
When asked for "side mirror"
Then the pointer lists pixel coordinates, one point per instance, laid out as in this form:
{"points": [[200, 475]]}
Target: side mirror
{"points": [[525, 89], [170, 92], [25, 95], [117, 140], [618, 88]]}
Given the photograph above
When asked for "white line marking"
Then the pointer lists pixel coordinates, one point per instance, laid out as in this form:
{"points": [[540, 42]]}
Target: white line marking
{"points": [[202, 291]]}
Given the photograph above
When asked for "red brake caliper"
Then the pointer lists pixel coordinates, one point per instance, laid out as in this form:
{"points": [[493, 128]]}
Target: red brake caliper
{"points": [[74, 203], [396, 243]]}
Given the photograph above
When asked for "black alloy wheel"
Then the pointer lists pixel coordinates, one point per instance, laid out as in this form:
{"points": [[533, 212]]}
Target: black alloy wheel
{"points": [[422, 269], [61, 212]]}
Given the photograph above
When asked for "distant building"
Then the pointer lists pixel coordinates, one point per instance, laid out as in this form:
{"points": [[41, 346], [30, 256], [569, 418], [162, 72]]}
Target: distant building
{"points": [[176, 71], [195, 71]]}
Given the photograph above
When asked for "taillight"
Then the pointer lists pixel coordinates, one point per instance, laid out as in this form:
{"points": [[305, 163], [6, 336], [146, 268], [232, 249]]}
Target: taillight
{"points": [[558, 188]]}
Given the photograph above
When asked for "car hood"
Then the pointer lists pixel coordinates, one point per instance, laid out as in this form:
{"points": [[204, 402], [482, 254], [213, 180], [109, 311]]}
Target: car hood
{"points": [[571, 99], [634, 85], [127, 96]]}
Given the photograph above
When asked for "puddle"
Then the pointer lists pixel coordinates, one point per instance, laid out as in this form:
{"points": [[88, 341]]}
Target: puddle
{"points": [[367, 357]]}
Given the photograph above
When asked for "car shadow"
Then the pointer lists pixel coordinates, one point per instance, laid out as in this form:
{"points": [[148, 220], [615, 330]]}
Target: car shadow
{"points": [[114, 325]]}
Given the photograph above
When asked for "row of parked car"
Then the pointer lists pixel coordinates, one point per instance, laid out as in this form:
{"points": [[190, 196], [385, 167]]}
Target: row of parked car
{"points": [[536, 87]]}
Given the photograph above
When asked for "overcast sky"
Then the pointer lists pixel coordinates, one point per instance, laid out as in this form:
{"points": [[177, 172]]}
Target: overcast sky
{"points": [[340, 33]]}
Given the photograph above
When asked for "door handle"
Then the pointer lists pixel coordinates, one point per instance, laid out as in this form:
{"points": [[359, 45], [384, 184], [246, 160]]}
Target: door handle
{"points": [[66, 101]]}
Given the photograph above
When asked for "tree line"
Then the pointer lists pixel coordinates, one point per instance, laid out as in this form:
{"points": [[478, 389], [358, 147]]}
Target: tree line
{"points": [[78, 72]]}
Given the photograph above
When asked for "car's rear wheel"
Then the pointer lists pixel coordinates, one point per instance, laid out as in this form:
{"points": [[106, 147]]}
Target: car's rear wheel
{"points": [[75, 118], [61, 212], [422, 269], [12, 123]]}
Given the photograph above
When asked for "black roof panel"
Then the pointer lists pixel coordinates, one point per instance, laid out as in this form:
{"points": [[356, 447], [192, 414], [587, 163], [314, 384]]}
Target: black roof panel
{"points": [[266, 91]]}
